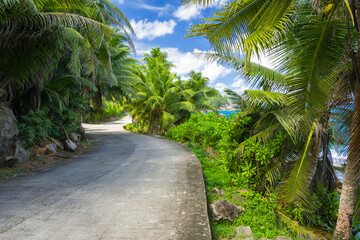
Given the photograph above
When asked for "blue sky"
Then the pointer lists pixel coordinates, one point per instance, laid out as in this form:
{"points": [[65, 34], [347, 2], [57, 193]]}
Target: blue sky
{"points": [[163, 24]]}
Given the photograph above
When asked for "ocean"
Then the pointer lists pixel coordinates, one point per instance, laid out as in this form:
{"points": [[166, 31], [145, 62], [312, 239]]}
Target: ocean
{"points": [[228, 113]]}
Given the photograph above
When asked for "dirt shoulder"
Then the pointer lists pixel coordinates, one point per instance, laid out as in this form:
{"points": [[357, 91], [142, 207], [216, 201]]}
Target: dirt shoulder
{"points": [[36, 162]]}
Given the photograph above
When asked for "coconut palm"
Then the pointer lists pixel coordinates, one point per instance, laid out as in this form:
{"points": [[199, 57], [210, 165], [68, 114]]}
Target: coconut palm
{"points": [[35, 35], [198, 93], [157, 99], [251, 27]]}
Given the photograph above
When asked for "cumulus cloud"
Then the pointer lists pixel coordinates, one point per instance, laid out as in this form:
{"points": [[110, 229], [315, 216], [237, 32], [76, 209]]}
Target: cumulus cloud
{"points": [[120, 1], [240, 90], [186, 62], [238, 83], [187, 12], [151, 30], [221, 87]]}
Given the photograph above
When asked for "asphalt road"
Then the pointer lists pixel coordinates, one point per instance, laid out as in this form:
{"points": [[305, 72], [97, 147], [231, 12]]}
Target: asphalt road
{"points": [[129, 186]]}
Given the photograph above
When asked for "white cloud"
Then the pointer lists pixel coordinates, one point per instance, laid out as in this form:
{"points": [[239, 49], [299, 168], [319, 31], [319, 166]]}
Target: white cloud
{"points": [[120, 1], [187, 61], [214, 71], [221, 87], [188, 12], [152, 30], [142, 5], [241, 90], [238, 83]]}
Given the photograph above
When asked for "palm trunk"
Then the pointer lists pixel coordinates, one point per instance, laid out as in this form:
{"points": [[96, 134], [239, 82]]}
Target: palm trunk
{"points": [[98, 99], [351, 180], [349, 190], [33, 97]]}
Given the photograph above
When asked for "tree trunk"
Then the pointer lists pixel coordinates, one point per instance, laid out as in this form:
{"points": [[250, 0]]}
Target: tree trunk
{"points": [[33, 97], [349, 190], [97, 100], [351, 181]]}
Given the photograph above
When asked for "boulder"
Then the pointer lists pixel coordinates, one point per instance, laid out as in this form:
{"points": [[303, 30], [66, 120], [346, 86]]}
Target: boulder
{"points": [[223, 209], [218, 192], [76, 138], [70, 145], [50, 149], [38, 150], [8, 135], [57, 143], [21, 154], [83, 134], [244, 232]]}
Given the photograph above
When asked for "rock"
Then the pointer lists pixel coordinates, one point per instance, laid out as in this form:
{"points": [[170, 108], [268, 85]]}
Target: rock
{"points": [[70, 145], [244, 232], [10, 161], [281, 238], [83, 134], [50, 149], [223, 209], [38, 150], [57, 143], [218, 192], [75, 137], [21, 154], [239, 199], [8, 135]]}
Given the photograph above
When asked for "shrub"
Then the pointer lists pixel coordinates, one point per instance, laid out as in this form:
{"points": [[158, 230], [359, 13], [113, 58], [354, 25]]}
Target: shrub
{"points": [[39, 126]]}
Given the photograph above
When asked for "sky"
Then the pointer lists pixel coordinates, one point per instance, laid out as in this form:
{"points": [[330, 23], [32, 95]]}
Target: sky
{"points": [[164, 24]]}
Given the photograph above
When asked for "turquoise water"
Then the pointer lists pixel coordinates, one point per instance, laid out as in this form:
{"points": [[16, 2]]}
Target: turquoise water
{"points": [[227, 113]]}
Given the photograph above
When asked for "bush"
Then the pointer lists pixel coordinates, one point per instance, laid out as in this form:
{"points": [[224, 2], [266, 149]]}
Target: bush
{"points": [[112, 110], [39, 126]]}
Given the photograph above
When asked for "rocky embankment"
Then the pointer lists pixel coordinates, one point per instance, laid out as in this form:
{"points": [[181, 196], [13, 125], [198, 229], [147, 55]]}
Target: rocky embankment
{"points": [[228, 107]]}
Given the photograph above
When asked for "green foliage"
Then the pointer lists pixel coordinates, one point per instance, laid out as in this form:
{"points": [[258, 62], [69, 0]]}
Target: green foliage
{"points": [[218, 100], [39, 126], [161, 98], [260, 212], [218, 132], [322, 214], [223, 135], [215, 140], [110, 111]]}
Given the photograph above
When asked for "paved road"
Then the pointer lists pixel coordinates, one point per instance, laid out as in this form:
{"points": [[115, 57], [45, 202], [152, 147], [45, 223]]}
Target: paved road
{"points": [[129, 187]]}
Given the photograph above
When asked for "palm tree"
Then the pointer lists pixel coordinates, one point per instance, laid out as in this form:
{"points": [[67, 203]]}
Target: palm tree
{"points": [[198, 93], [113, 82], [157, 99], [35, 35], [252, 27]]}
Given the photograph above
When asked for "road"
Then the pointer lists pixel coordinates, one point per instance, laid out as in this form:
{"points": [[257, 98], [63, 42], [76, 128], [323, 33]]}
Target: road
{"points": [[130, 186]]}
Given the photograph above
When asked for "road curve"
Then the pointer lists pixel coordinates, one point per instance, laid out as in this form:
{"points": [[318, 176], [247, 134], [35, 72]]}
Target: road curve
{"points": [[129, 186]]}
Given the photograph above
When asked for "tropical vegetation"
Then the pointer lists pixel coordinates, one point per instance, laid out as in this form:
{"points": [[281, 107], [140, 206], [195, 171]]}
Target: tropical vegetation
{"points": [[162, 99], [65, 61], [314, 44], [59, 59]]}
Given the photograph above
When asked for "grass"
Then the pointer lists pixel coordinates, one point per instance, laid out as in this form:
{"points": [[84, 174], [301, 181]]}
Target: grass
{"points": [[260, 212]]}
